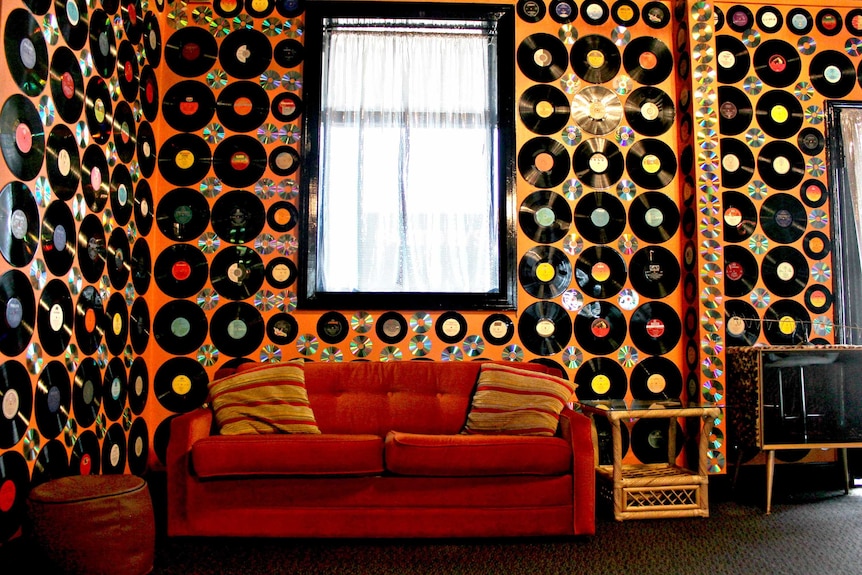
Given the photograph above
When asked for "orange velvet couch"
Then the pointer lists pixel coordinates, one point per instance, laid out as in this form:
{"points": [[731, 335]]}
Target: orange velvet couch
{"points": [[389, 462]]}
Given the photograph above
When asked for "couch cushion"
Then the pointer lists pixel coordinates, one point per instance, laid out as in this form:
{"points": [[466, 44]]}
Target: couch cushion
{"points": [[475, 455], [269, 398], [514, 401], [287, 455]]}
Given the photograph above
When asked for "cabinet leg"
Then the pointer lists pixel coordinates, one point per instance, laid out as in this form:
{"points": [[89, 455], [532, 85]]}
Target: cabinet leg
{"points": [[770, 475], [845, 467]]}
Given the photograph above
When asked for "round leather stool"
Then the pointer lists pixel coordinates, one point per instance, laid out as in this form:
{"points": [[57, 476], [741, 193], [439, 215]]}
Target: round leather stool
{"points": [[94, 524]]}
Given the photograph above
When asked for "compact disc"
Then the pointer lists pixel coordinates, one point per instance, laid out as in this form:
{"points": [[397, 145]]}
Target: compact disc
{"points": [[545, 328], [600, 328], [545, 216]]}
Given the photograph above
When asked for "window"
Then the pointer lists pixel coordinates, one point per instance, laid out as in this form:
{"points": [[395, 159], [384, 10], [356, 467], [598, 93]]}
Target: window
{"points": [[408, 193]]}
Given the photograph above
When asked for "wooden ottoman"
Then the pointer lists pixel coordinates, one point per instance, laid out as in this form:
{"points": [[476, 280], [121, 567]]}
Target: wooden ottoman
{"points": [[94, 524]]}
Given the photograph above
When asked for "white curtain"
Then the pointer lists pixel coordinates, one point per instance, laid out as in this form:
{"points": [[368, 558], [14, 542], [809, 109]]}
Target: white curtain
{"points": [[406, 196], [851, 226]]}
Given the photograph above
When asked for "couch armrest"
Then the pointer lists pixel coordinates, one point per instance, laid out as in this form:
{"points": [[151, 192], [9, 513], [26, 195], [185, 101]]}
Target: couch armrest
{"points": [[186, 429], [578, 430]]}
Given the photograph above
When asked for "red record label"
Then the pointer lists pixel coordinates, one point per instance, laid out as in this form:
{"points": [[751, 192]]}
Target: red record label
{"points": [[600, 328], [735, 271], [7, 495], [777, 63], [240, 160], [191, 51], [23, 138], [189, 106], [181, 271], [86, 466], [655, 327]]}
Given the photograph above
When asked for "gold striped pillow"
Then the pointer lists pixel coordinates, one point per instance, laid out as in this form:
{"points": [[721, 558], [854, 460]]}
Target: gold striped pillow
{"points": [[267, 399], [514, 401]]}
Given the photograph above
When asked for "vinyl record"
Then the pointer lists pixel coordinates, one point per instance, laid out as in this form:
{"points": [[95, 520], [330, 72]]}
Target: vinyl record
{"points": [[829, 22], [237, 272], [625, 13], [655, 378], [191, 51], [73, 21], [655, 328], [544, 162], [55, 317], [95, 181], [67, 84], [286, 107], [245, 53], [545, 272], [26, 52], [783, 218], [183, 214], [181, 270], [89, 320], [58, 238], [139, 325], [92, 248], [654, 272], [152, 43], [138, 447], [544, 109], [149, 93], [718, 18], [598, 163], [180, 327], [737, 163], [545, 216], [595, 59], [288, 53], [597, 110], [779, 114], [739, 217], [542, 57], [280, 272], [741, 323], [122, 195], [146, 149], [647, 60], [531, 10], [740, 271], [854, 21], [115, 389], [103, 43], [600, 272], [98, 110], [238, 216], [87, 392], [784, 271], [19, 224], [290, 8], [498, 329], [649, 111], [284, 160], [53, 399], [777, 63], [86, 457], [563, 11], [545, 328], [655, 15], [228, 8], [282, 329], [739, 18], [654, 217], [52, 462], [22, 137], [450, 327], [282, 216], [17, 394], [63, 162], [124, 136], [734, 111], [769, 19], [237, 329], [651, 164], [786, 322], [816, 245], [332, 327], [133, 20], [813, 192], [15, 480], [239, 161], [733, 59], [594, 12], [818, 298], [117, 329], [184, 159], [142, 266], [832, 74], [600, 328], [781, 165], [811, 141], [38, 7], [649, 439], [600, 217], [114, 450], [600, 378], [188, 106]]}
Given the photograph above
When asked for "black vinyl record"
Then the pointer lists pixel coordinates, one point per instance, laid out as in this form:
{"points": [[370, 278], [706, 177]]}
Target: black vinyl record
{"points": [[245, 53], [784, 271], [769, 19], [544, 109], [92, 248], [832, 74], [600, 217], [739, 217], [854, 21], [649, 111], [531, 11], [284, 160], [286, 107], [146, 149], [38, 7], [597, 110], [237, 329], [86, 457], [811, 141], [184, 159], [188, 105], [152, 43], [17, 394], [55, 317], [58, 238], [600, 271], [117, 328], [260, 8], [651, 164], [280, 272], [598, 163], [786, 322], [647, 60], [777, 63], [544, 162], [238, 216], [139, 325], [800, 21], [282, 328], [290, 8], [149, 93], [133, 19], [19, 224], [103, 43], [718, 18], [655, 14], [737, 163], [498, 329], [26, 52], [816, 245], [595, 59], [813, 192], [183, 214], [332, 327], [142, 266], [122, 195], [127, 71], [654, 217], [818, 298], [783, 218], [655, 378], [22, 137], [739, 18], [139, 385], [741, 323], [191, 51], [115, 389], [740, 271], [733, 59], [87, 392], [542, 57], [73, 21], [545, 216], [654, 271], [655, 328], [545, 328], [649, 439], [181, 270], [828, 22], [237, 272], [563, 11], [95, 181], [781, 165], [600, 328], [282, 216], [52, 463], [228, 8], [180, 327], [67, 84], [288, 53], [450, 327], [545, 272], [734, 111], [595, 12], [114, 450], [15, 479], [779, 114], [625, 12], [239, 161], [89, 320], [138, 447], [98, 110], [600, 378]]}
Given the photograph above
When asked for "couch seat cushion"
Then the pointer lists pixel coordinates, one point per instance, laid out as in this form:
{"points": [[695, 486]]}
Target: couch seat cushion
{"points": [[287, 455], [475, 455]]}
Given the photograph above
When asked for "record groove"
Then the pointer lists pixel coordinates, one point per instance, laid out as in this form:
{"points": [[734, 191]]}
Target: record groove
{"points": [[600, 272], [22, 137], [654, 217], [545, 328], [649, 111], [655, 328], [19, 224], [542, 57], [740, 271], [545, 216], [544, 272], [595, 59], [597, 110], [647, 60], [598, 163], [600, 217], [651, 164], [544, 109], [237, 272], [543, 162], [600, 328], [654, 272]]}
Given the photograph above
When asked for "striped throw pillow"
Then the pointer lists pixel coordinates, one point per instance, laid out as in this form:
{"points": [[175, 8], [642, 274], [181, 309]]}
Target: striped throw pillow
{"points": [[267, 399], [514, 401]]}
